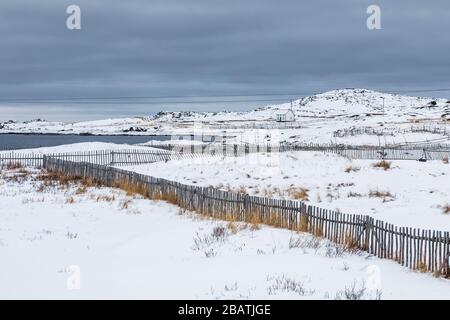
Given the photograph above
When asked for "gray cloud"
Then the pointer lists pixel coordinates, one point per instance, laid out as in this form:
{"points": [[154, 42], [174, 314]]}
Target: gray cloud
{"points": [[204, 47]]}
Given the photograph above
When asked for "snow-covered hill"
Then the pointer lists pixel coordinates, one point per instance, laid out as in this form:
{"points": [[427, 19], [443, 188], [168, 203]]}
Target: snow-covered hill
{"points": [[337, 104]]}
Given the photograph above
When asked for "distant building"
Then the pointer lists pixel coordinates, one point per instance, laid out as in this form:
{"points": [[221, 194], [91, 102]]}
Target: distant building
{"points": [[286, 116]]}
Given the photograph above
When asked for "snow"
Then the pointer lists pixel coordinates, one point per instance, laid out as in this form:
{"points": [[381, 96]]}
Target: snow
{"points": [[317, 117], [418, 191], [129, 247], [80, 147], [51, 238]]}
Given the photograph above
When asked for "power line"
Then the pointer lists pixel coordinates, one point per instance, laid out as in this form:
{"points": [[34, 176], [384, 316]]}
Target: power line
{"points": [[150, 97], [170, 98], [417, 90], [142, 102]]}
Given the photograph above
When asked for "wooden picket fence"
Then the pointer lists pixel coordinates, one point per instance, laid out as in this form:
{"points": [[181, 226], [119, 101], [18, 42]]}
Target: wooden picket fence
{"points": [[24, 159], [423, 250], [422, 152], [104, 157], [171, 152]]}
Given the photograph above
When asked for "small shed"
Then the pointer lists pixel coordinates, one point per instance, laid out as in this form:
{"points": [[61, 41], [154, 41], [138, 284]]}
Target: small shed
{"points": [[286, 116]]}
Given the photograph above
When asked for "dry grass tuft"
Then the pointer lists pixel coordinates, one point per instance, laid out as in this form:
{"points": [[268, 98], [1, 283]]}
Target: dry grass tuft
{"points": [[299, 193], [124, 204], [351, 243], [422, 267], [14, 166], [385, 195], [385, 165], [132, 189], [81, 190], [352, 169], [255, 227], [105, 198], [70, 200], [352, 194], [304, 223], [232, 227], [446, 209], [445, 160]]}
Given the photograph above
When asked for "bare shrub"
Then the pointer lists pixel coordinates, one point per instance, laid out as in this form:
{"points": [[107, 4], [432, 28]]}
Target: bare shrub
{"points": [[210, 253], [288, 285], [218, 235], [352, 169], [333, 250], [71, 235], [40, 188], [354, 292], [124, 204], [385, 165], [357, 292], [105, 198], [305, 242], [352, 194], [385, 195], [295, 242]]}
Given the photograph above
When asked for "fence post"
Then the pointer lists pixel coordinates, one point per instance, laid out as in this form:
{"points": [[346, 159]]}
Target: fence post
{"points": [[112, 158], [368, 228], [44, 161]]}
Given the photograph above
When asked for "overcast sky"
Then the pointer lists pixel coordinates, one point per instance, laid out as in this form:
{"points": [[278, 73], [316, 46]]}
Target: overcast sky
{"points": [[211, 47]]}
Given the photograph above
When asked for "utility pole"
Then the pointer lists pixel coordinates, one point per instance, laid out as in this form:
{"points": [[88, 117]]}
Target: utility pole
{"points": [[383, 103]]}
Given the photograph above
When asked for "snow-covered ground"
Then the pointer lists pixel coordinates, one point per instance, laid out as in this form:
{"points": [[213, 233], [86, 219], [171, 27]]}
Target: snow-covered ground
{"points": [[410, 193], [79, 147], [317, 118], [69, 242]]}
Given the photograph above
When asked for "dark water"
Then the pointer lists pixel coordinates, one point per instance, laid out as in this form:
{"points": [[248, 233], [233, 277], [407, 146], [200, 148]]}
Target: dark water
{"points": [[22, 141]]}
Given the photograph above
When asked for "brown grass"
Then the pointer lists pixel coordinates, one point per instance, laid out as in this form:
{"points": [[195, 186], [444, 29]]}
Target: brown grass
{"points": [[159, 196], [299, 193], [350, 242], [422, 267], [446, 209], [304, 223], [385, 195], [235, 227], [255, 226], [132, 189], [445, 160], [81, 190], [318, 232], [232, 227], [14, 166], [242, 189], [385, 165], [70, 200]]}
